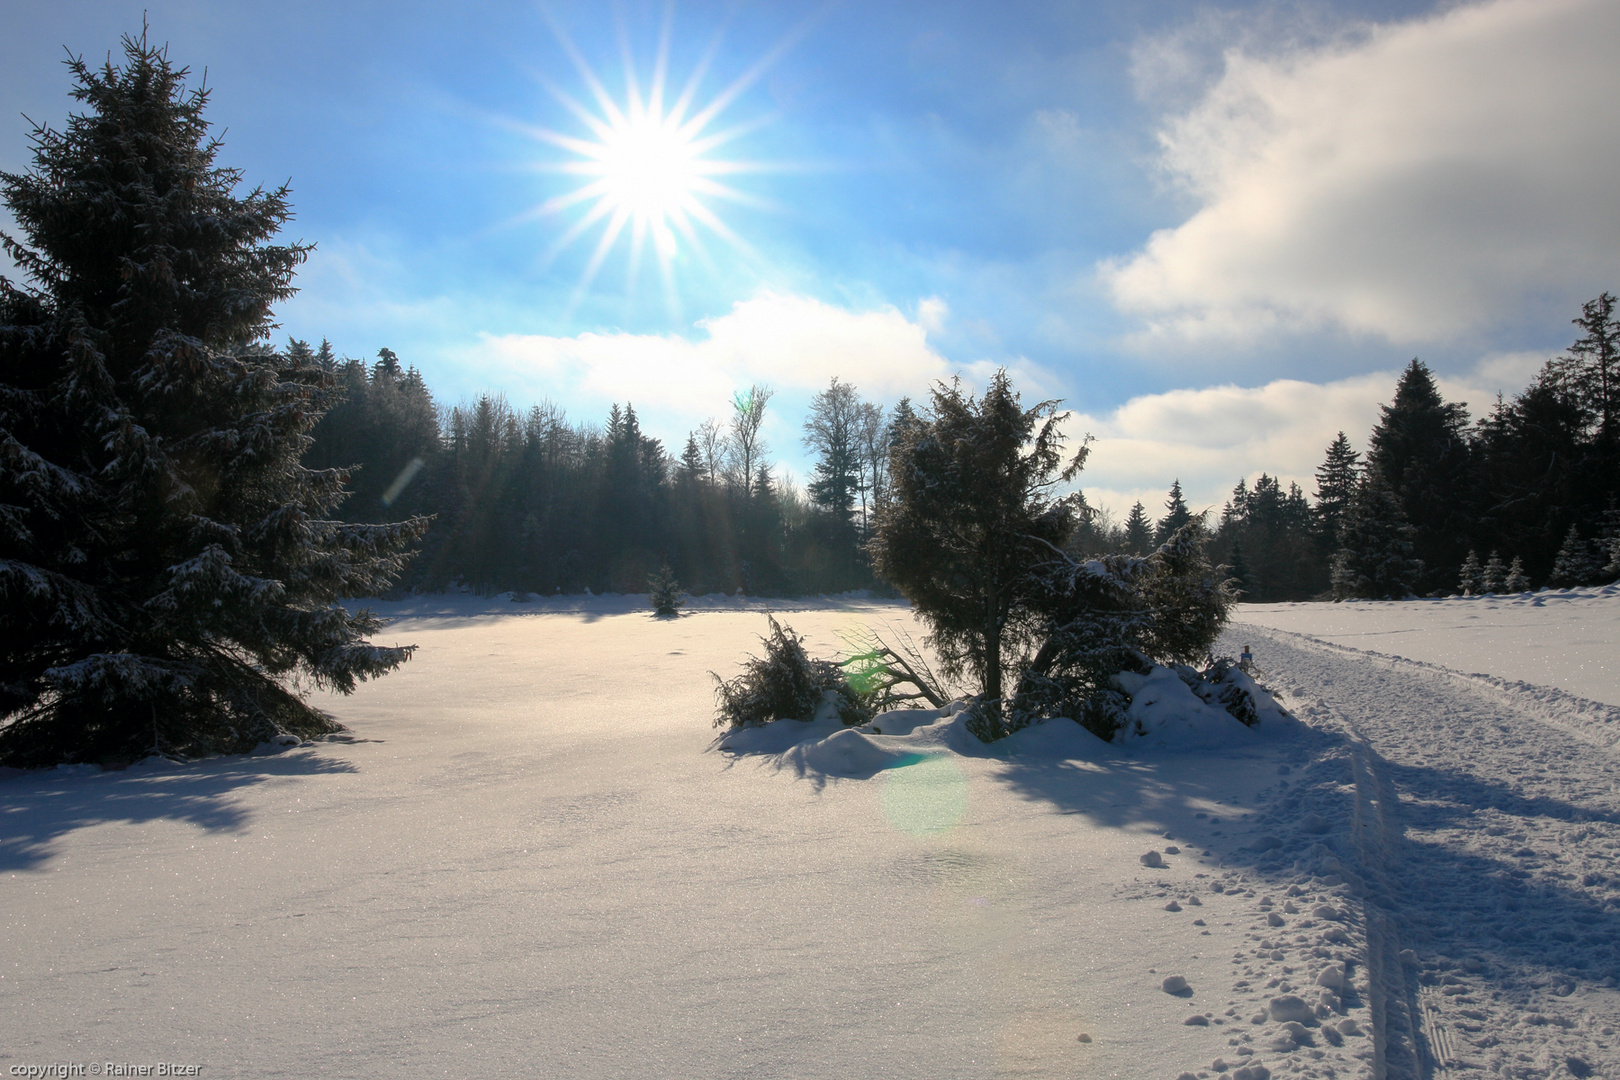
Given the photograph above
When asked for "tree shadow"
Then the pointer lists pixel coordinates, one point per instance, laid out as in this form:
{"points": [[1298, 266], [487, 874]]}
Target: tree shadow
{"points": [[40, 807]]}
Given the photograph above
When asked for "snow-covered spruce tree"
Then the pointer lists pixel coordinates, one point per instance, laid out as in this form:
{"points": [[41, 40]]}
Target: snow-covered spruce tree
{"points": [[167, 566], [1493, 578], [1574, 564], [1471, 578], [1517, 580], [1374, 560]]}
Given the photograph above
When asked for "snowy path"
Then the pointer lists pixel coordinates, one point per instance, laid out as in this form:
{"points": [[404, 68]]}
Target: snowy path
{"points": [[1489, 838]]}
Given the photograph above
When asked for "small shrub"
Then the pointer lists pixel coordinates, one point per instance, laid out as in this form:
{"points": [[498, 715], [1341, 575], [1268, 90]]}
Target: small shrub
{"points": [[785, 684], [665, 592]]}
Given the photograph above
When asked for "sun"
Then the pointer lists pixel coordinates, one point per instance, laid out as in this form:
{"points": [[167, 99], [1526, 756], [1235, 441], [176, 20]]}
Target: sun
{"points": [[647, 167]]}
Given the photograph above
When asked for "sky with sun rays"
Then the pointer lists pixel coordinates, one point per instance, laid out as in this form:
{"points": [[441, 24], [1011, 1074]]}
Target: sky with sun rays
{"points": [[1216, 230]]}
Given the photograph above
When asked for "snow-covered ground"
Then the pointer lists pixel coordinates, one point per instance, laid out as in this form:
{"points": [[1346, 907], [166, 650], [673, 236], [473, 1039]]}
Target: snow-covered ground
{"points": [[533, 855]]}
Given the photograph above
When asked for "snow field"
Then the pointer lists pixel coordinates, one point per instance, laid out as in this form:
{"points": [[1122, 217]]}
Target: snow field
{"points": [[534, 852], [531, 856]]}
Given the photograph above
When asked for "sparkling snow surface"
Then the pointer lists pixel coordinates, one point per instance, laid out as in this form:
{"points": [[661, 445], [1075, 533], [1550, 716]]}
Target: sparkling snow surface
{"points": [[535, 857]]}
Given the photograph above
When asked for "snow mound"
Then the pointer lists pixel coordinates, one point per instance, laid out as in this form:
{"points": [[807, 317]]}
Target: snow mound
{"points": [[1167, 714], [1170, 711]]}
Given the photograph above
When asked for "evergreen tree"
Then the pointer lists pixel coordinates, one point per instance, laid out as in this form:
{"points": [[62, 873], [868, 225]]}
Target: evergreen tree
{"points": [[665, 593], [831, 431], [1494, 577], [165, 561], [1592, 368], [1516, 580], [691, 460], [1238, 571], [1419, 447], [1336, 481], [1176, 514], [1471, 578], [1138, 530], [1375, 559], [1574, 564], [971, 512]]}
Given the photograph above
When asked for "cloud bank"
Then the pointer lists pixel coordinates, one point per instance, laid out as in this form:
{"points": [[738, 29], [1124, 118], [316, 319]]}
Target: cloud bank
{"points": [[1210, 438], [1420, 181]]}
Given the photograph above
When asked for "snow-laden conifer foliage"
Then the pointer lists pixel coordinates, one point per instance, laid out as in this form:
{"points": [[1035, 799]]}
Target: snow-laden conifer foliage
{"points": [[168, 568]]}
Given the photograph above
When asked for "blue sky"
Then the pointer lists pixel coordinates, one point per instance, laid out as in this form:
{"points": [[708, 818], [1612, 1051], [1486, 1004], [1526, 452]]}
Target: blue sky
{"points": [[1216, 231]]}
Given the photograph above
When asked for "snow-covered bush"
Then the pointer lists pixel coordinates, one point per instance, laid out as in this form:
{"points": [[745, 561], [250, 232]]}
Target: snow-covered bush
{"points": [[1094, 620], [785, 684], [665, 592]]}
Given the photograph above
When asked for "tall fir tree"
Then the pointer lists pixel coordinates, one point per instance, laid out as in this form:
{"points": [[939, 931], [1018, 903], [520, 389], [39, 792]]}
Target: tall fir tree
{"points": [[1138, 530], [1592, 368], [1374, 560], [1419, 446], [1494, 576], [1336, 481], [1176, 514], [165, 561]]}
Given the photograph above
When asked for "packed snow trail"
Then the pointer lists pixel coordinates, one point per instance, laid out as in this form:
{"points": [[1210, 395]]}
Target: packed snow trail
{"points": [[1488, 835]]}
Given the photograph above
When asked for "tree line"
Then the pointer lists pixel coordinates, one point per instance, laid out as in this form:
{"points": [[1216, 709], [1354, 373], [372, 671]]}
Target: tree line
{"points": [[528, 500], [531, 501], [1527, 496]]}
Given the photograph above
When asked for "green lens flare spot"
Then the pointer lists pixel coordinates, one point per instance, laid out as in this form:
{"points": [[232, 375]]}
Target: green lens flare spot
{"points": [[924, 794]]}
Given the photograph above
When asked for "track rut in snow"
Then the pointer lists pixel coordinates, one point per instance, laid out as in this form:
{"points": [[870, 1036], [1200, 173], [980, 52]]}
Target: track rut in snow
{"points": [[1488, 827]]}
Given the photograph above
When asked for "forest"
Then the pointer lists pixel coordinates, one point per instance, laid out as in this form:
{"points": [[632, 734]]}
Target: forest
{"points": [[529, 500]]}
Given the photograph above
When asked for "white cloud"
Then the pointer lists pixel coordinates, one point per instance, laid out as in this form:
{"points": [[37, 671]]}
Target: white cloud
{"points": [[795, 344], [1415, 182], [1210, 438]]}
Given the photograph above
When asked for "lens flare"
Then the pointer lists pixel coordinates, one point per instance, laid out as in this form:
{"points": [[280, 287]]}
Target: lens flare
{"points": [[924, 794]]}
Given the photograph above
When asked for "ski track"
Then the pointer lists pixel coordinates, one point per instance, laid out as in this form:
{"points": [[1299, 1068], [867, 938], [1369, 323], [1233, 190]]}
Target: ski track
{"points": [[1483, 837]]}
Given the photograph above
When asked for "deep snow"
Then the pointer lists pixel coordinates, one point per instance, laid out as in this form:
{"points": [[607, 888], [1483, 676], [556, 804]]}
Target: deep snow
{"points": [[535, 854]]}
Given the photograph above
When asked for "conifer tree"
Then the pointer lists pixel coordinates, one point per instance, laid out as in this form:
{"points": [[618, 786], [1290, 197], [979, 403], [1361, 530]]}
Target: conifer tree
{"points": [[1375, 559], [971, 511], [1176, 514], [1238, 571], [1592, 368], [1419, 446], [1517, 581], [1494, 577], [1336, 481], [1138, 530], [831, 430], [1471, 579], [1574, 564], [165, 561]]}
